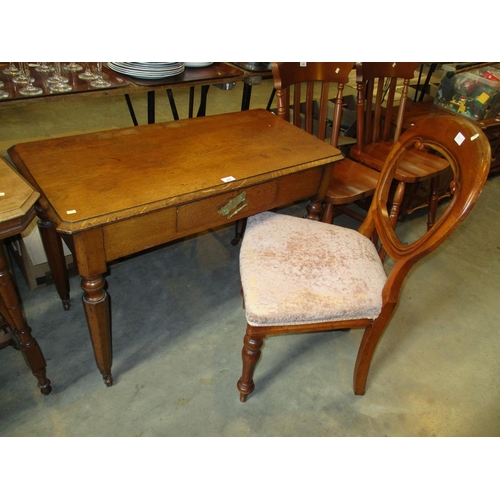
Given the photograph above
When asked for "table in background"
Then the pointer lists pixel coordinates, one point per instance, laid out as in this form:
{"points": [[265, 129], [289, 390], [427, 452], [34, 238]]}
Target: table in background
{"points": [[419, 111], [218, 73], [17, 200], [176, 179]]}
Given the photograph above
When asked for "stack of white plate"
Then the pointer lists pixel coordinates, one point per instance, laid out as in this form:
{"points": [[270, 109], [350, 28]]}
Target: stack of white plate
{"points": [[148, 70]]}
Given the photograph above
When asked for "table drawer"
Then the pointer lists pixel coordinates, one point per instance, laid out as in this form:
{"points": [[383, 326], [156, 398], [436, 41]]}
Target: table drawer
{"points": [[299, 186], [224, 208], [139, 233]]}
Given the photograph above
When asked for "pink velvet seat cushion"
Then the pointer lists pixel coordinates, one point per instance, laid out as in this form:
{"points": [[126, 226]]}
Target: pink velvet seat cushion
{"points": [[298, 271]]}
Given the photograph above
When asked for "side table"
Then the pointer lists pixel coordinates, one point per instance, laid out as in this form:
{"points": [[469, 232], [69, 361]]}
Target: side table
{"points": [[17, 200], [416, 112]]}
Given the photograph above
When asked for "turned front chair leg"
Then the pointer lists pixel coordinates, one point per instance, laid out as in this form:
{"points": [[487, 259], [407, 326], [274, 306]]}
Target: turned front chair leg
{"points": [[314, 210], [250, 354], [13, 315]]}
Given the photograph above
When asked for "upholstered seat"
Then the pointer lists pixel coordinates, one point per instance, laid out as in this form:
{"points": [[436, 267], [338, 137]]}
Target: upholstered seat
{"points": [[342, 279]]}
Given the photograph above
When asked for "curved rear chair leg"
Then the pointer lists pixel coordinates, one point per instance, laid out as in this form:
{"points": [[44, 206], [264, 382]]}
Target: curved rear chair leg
{"points": [[369, 342], [250, 354]]}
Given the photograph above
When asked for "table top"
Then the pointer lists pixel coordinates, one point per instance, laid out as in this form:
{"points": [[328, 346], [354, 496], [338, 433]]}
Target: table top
{"points": [[218, 72], [98, 178], [17, 199]]}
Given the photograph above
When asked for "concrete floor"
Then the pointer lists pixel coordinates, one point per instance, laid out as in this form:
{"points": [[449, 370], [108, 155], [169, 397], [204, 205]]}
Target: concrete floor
{"points": [[178, 327]]}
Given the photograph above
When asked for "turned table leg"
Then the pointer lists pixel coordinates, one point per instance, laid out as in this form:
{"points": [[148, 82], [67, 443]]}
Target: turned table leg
{"points": [[11, 309], [90, 257], [97, 311], [52, 244]]}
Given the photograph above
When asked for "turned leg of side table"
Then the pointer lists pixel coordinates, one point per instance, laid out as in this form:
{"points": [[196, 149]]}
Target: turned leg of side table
{"points": [[13, 314]]}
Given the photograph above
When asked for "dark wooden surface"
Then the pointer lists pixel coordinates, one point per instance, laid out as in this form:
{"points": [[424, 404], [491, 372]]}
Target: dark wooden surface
{"points": [[79, 86], [218, 72]]}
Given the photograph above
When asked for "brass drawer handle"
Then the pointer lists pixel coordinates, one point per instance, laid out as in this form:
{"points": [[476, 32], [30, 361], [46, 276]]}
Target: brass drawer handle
{"points": [[232, 204]]}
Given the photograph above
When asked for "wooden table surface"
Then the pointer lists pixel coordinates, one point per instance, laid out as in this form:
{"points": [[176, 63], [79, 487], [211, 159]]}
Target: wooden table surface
{"points": [[114, 193], [17, 201]]}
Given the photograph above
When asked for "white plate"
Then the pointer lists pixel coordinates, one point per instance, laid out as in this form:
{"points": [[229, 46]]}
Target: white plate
{"points": [[197, 64], [148, 71]]}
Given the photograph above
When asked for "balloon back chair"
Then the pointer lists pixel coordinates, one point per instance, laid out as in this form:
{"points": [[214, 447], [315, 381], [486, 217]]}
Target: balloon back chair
{"points": [[301, 275]]}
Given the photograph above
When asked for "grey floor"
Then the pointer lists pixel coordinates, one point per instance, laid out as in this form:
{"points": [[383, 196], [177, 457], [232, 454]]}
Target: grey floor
{"points": [[178, 326]]}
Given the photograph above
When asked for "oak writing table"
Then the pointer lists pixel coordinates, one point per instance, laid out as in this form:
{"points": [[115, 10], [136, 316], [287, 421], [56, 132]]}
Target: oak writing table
{"points": [[114, 193]]}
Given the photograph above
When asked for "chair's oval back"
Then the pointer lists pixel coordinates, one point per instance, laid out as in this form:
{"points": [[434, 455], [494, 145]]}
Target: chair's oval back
{"points": [[468, 152], [376, 90], [297, 105]]}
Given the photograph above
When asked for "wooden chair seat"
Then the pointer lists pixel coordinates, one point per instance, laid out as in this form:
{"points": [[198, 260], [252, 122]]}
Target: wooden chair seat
{"points": [[351, 182], [417, 166]]}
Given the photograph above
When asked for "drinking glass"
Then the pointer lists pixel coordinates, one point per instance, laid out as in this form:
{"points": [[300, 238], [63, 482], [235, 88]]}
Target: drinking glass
{"points": [[57, 77], [30, 89], [3, 93], [73, 67], [11, 70], [59, 83], [87, 74], [23, 75], [44, 67], [100, 82]]}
